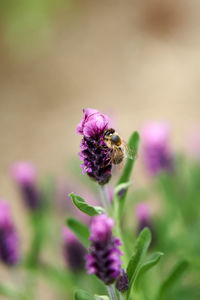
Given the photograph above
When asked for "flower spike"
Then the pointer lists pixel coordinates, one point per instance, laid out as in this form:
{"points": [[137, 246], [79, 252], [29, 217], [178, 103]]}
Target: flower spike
{"points": [[94, 152]]}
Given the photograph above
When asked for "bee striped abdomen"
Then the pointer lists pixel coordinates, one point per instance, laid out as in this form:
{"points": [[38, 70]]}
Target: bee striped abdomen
{"points": [[117, 156]]}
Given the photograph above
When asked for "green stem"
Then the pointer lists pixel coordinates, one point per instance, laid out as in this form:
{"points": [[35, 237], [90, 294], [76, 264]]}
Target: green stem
{"points": [[111, 292], [121, 296], [113, 213], [105, 198]]}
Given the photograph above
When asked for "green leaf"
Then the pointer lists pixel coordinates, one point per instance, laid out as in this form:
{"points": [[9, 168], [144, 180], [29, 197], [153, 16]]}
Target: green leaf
{"points": [[133, 143], [172, 278], [84, 207], [61, 278], [80, 230], [140, 249], [121, 188], [83, 295], [38, 223], [147, 266], [10, 292]]}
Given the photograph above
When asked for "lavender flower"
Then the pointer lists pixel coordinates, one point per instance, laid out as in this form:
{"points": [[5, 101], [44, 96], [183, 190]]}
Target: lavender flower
{"points": [[103, 259], [142, 214], [73, 251], [94, 151], [157, 154], [122, 283], [24, 174], [144, 219], [9, 243]]}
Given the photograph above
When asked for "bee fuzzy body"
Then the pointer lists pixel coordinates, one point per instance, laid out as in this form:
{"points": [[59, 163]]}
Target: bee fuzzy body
{"points": [[117, 156], [114, 142]]}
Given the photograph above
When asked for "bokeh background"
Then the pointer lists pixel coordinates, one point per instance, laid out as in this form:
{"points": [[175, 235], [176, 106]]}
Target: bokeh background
{"points": [[137, 61]]}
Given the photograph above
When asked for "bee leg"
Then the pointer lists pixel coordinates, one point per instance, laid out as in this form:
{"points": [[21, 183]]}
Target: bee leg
{"points": [[103, 147], [109, 161]]}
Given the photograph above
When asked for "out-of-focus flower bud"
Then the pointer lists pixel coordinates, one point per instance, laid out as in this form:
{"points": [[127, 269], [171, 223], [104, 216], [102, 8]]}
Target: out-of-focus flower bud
{"points": [[74, 252], [24, 174], [156, 150], [122, 283], [144, 219], [9, 242]]}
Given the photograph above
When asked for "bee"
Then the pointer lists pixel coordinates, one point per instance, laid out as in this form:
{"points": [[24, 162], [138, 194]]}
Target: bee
{"points": [[120, 150]]}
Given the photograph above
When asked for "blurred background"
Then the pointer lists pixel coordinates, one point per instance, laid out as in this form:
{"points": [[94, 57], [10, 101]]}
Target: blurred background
{"points": [[136, 61]]}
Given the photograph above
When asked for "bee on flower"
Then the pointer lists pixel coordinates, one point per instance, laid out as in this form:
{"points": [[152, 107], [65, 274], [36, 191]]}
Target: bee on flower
{"points": [[101, 146]]}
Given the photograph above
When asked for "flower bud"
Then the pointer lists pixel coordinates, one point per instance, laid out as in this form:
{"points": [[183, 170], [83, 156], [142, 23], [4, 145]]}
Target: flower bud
{"points": [[103, 259], [144, 219], [122, 283], [73, 251], [25, 176], [9, 242], [156, 151]]}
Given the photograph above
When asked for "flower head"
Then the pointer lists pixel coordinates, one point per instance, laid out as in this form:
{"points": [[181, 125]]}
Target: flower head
{"points": [[142, 211], [101, 228], [9, 242], [122, 283], [144, 219], [103, 259], [143, 216], [93, 123], [24, 174], [94, 152], [156, 150], [73, 251]]}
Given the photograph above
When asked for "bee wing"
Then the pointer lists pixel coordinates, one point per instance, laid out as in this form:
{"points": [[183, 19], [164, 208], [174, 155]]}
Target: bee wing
{"points": [[129, 152]]}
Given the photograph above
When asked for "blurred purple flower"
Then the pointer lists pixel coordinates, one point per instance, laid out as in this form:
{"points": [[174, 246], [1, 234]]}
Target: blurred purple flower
{"points": [[24, 174], [73, 251], [9, 242], [122, 283], [156, 151], [103, 259], [94, 151], [144, 219]]}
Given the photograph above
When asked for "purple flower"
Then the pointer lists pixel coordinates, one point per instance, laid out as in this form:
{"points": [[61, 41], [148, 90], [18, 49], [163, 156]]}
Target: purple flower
{"points": [[122, 283], [142, 214], [103, 259], [142, 211], [9, 242], [93, 123], [24, 174], [156, 150], [94, 152], [144, 219], [73, 251]]}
